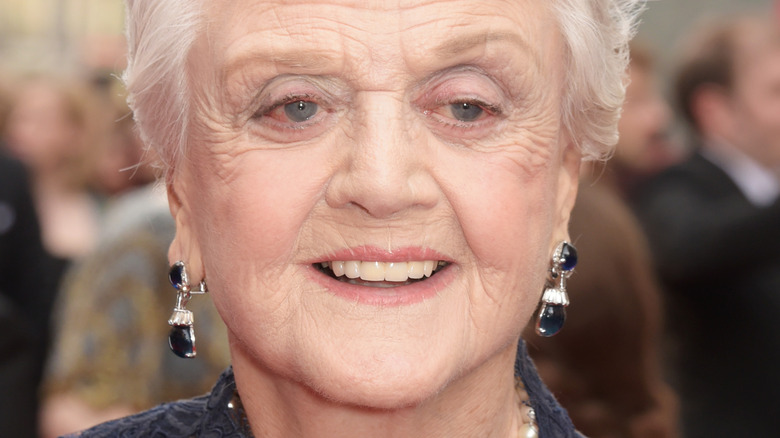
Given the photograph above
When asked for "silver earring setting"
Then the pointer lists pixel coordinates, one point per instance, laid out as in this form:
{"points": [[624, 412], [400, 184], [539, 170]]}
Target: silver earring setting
{"points": [[182, 336], [552, 309]]}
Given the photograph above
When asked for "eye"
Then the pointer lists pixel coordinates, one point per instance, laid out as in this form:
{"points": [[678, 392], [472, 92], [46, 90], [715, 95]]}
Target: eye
{"points": [[291, 110], [463, 117], [301, 110], [466, 111], [293, 118], [295, 108]]}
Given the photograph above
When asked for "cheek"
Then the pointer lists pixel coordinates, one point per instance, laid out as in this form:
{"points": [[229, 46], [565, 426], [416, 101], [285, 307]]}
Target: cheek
{"points": [[505, 221], [770, 114], [258, 203], [506, 214], [759, 124]]}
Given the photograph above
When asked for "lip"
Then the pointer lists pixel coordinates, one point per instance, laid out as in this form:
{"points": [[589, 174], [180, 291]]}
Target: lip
{"points": [[386, 297]]}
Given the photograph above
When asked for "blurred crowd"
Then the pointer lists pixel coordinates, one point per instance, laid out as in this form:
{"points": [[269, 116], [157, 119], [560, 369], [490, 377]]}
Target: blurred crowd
{"points": [[84, 231], [672, 330], [673, 327]]}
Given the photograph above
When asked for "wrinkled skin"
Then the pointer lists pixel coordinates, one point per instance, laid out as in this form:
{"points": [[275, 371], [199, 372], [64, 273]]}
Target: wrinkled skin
{"points": [[388, 159]]}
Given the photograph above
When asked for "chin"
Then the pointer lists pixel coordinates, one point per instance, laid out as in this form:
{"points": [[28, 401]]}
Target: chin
{"points": [[389, 387], [385, 372]]}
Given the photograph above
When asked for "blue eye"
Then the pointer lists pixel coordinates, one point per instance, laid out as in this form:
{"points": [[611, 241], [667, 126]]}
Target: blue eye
{"points": [[466, 112], [300, 110]]}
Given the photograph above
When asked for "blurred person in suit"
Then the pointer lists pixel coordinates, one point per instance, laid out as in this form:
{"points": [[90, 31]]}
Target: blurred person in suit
{"points": [[26, 296], [714, 227]]}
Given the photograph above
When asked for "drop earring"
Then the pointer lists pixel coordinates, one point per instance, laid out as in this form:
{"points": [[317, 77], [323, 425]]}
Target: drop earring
{"points": [[552, 308], [182, 336]]}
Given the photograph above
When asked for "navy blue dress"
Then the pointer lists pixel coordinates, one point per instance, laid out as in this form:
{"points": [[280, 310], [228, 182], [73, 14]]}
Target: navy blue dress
{"points": [[218, 413]]}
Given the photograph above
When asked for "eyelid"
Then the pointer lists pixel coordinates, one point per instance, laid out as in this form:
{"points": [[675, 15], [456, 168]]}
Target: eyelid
{"points": [[461, 84], [269, 121], [459, 73], [290, 98], [435, 99], [318, 89], [491, 110]]}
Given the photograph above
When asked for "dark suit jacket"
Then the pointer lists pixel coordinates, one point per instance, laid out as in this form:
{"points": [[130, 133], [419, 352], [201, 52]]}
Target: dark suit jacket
{"points": [[719, 258], [27, 283]]}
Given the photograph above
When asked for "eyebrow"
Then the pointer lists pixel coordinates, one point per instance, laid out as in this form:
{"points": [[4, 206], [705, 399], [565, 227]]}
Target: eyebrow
{"points": [[305, 60], [316, 60], [467, 42]]}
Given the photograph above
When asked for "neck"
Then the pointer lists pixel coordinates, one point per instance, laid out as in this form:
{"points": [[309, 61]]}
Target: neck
{"points": [[481, 403]]}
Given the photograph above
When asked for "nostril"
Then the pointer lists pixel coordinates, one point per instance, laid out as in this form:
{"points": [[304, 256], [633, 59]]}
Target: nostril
{"points": [[380, 197]]}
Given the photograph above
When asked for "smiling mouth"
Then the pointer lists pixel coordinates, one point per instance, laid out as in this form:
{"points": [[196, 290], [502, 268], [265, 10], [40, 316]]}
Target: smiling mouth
{"points": [[381, 274]]}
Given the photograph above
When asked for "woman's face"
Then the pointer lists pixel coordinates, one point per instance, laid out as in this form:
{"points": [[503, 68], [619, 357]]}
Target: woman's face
{"points": [[40, 131], [396, 135]]}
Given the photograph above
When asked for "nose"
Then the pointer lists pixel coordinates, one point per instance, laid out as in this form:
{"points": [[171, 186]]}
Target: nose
{"points": [[386, 162]]}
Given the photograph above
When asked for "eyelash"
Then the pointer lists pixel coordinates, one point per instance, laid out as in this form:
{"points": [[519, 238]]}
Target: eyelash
{"points": [[490, 110], [265, 111], [445, 120]]}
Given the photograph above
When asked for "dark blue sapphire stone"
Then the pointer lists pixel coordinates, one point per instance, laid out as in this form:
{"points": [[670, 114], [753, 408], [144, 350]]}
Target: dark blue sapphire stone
{"points": [[568, 257], [182, 341], [550, 320], [175, 275]]}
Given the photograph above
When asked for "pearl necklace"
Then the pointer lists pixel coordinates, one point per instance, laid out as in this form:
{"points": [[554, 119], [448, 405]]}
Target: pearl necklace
{"points": [[527, 427]]}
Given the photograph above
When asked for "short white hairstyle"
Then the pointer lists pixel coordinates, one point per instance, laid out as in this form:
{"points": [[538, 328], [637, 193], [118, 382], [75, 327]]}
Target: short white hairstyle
{"points": [[160, 34], [596, 34]]}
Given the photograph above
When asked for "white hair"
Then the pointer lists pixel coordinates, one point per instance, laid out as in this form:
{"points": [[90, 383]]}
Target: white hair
{"points": [[596, 35], [160, 34]]}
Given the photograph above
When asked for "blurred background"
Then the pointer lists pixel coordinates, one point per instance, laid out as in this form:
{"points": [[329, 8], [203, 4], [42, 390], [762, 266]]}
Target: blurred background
{"points": [[73, 34], [68, 35]]}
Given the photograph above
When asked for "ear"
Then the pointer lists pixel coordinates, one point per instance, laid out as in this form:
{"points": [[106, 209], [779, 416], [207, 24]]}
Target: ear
{"points": [[568, 182], [185, 246], [711, 107]]}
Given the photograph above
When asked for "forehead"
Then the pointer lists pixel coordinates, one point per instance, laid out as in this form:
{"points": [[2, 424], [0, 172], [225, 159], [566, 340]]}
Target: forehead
{"points": [[416, 34]]}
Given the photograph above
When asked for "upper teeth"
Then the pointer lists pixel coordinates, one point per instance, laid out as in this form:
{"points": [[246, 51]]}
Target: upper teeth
{"points": [[383, 271]]}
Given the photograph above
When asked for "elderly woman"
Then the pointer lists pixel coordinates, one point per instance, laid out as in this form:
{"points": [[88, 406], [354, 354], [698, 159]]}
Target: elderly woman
{"points": [[375, 195]]}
